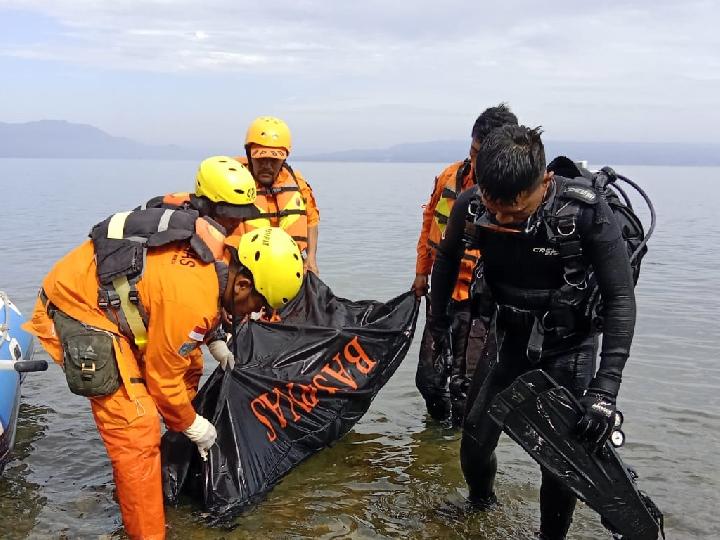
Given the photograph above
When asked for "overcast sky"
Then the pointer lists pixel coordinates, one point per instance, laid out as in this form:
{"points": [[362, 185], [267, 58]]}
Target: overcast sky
{"points": [[362, 74]]}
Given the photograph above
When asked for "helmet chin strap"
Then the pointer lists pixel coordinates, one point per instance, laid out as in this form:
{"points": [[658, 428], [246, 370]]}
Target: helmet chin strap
{"points": [[249, 160], [234, 322]]}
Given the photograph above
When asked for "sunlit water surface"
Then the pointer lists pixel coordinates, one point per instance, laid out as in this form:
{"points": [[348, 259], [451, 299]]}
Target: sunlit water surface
{"points": [[396, 474]]}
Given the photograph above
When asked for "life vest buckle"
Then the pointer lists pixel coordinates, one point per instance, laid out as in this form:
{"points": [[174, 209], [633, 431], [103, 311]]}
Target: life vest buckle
{"points": [[87, 371], [134, 296], [566, 228], [546, 324], [108, 299], [580, 284]]}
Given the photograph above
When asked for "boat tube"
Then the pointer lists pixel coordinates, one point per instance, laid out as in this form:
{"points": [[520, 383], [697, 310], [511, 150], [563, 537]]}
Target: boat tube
{"points": [[16, 351]]}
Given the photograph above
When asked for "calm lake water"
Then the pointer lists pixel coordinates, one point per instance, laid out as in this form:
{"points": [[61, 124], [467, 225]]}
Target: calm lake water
{"points": [[397, 474]]}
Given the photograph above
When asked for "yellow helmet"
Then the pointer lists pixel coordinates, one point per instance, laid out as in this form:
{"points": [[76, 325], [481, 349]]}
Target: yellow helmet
{"points": [[225, 180], [269, 131], [274, 260]]}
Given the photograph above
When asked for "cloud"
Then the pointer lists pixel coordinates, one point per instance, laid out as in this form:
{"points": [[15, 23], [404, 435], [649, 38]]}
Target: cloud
{"points": [[365, 37], [357, 60]]}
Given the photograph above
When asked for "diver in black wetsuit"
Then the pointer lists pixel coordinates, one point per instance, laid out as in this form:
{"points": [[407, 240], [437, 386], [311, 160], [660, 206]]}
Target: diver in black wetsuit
{"points": [[545, 241]]}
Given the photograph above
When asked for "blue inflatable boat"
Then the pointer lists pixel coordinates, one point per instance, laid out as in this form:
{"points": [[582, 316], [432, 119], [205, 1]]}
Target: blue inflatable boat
{"points": [[16, 350]]}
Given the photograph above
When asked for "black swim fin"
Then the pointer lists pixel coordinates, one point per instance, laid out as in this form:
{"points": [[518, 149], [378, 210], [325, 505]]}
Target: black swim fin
{"points": [[541, 416]]}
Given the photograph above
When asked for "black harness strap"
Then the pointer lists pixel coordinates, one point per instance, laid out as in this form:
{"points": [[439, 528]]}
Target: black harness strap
{"points": [[272, 191], [448, 193], [563, 310], [282, 213], [442, 219], [466, 255]]}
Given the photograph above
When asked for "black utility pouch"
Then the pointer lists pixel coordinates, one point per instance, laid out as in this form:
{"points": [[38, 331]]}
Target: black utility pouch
{"points": [[89, 357]]}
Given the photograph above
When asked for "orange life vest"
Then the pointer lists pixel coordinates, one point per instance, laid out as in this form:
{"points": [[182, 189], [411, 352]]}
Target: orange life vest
{"points": [[280, 205], [452, 181], [121, 243], [180, 199]]}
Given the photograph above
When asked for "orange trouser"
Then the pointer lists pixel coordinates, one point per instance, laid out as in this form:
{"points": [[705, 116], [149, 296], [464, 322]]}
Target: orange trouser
{"points": [[130, 430]]}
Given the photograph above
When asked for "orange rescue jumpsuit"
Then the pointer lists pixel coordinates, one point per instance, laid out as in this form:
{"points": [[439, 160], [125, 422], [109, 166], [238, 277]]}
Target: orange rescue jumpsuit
{"points": [[468, 336], [431, 233], [181, 296]]}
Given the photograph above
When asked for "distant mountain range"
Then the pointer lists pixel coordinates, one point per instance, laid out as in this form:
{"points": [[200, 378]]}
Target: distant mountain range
{"points": [[595, 153], [60, 139]]}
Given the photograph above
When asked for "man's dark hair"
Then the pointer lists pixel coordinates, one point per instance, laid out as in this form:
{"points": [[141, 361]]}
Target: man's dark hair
{"points": [[491, 118], [511, 160]]}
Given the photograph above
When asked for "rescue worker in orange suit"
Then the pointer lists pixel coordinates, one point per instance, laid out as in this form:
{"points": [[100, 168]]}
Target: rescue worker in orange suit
{"points": [[224, 191], [443, 378], [190, 273], [284, 198]]}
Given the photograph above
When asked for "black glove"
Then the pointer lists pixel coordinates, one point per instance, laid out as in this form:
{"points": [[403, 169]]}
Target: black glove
{"points": [[459, 386], [597, 423], [439, 326]]}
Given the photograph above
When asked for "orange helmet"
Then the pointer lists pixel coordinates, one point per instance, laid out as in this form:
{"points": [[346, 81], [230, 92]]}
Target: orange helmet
{"points": [[269, 131]]}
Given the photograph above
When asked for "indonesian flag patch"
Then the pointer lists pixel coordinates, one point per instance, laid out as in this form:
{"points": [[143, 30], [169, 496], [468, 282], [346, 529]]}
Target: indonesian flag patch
{"points": [[197, 333]]}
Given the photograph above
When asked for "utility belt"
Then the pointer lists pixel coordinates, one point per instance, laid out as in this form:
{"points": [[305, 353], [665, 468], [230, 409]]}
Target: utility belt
{"points": [[550, 320], [50, 308], [89, 360]]}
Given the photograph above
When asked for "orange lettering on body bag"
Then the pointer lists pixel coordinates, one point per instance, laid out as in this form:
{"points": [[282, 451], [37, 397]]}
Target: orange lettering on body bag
{"points": [[355, 354], [254, 405], [308, 397], [340, 374], [319, 386], [274, 408]]}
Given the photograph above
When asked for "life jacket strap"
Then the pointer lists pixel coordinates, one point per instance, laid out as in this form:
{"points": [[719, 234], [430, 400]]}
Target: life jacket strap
{"points": [[442, 219], [467, 256], [121, 303], [282, 213], [277, 190], [130, 307], [448, 193], [116, 226]]}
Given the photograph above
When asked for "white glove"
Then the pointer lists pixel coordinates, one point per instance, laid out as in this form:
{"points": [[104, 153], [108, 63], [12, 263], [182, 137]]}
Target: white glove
{"points": [[203, 434], [221, 352]]}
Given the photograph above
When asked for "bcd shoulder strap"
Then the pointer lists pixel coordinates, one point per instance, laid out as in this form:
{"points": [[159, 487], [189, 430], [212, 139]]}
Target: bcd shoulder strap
{"points": [[577, 189], [472, 233], [562, 226]]}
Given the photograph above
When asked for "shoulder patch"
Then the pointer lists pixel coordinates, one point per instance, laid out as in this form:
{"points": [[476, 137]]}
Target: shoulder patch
{"points": [[581, 193], [187, 348]]}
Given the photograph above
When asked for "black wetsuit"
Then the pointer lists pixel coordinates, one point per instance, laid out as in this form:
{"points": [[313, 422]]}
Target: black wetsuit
{"points": [[530, 262]]}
